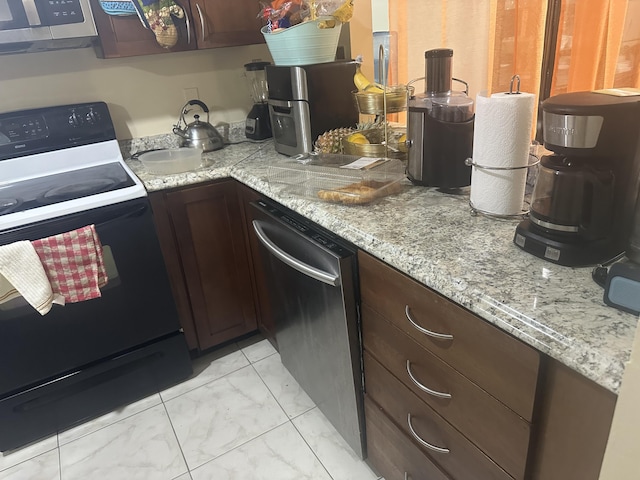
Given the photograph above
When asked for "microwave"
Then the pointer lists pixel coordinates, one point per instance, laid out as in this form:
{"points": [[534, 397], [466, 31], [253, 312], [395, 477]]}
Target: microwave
{"points": [[25, 22]]}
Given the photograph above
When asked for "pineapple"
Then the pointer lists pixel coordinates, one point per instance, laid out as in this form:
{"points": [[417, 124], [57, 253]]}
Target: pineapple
{"points": [[331, 141]]}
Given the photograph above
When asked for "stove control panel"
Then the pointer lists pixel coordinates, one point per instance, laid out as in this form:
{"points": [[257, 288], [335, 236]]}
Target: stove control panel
{"points": [[29, 132]]}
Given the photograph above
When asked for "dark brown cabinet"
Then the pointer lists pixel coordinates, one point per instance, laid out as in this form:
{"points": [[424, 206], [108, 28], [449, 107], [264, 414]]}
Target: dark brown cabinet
{"points": [[449, 394], [207, 24], [220, 23], [266, 323], [459, 389], [203, 238]]}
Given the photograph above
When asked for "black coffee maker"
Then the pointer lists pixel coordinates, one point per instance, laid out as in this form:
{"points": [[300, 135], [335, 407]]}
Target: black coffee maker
{"points": [[583, 199]]}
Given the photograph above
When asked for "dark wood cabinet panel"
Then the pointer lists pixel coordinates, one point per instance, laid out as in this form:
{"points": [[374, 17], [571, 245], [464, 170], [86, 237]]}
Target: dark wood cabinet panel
{"points": [[499, 432], [172, 261], [462, 460], [500, 364], [573, 426], [220, 23], [207, 24], [392, 453], [125, 36], [209, 236], [266, 323]]}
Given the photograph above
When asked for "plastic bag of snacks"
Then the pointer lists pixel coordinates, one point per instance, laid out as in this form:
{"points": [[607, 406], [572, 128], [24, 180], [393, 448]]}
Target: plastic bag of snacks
{"points": [[287, 13]]}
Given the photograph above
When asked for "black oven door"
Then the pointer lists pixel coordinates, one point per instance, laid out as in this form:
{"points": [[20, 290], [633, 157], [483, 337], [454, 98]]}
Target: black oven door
{"points": [[85, 359], [136, 306]]}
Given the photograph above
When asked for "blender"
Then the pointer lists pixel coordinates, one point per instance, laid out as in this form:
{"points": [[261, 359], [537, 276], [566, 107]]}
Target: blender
{"points": [[258, 125]]}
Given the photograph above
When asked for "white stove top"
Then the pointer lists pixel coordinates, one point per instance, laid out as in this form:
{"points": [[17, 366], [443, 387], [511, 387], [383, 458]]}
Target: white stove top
{"points": [[50, 171]]}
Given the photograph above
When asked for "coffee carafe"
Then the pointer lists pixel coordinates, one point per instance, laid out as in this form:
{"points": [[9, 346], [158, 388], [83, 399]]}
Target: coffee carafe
{"points": [[440, 127], [258, 124], [583, 200]]}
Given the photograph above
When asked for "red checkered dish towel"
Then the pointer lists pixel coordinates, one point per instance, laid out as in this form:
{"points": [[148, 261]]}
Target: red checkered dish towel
{"points": [[73, 263]]}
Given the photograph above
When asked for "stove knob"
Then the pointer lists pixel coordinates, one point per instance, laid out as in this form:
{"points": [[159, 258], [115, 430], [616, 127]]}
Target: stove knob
{"points": [[75, 120], [93, 117]]}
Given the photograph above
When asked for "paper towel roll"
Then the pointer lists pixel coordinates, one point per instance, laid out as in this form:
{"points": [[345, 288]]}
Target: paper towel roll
{"points": [[501, 138]]}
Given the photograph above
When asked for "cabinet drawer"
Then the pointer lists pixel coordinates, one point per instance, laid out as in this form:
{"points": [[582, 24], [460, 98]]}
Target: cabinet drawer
{"points": [[500, 364], [462, 460], [392, 453], [498, 431]]}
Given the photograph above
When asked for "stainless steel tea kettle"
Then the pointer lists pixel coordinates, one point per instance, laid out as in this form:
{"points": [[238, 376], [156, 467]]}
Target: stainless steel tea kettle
{"points": [[198, 134]]}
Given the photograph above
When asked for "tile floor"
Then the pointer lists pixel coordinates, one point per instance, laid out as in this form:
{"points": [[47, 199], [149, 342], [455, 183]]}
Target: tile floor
{"points": [[240, 416]]}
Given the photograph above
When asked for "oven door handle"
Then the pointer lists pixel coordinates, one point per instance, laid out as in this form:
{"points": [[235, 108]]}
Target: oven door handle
{"points": [[308, 270], [135, 211]]}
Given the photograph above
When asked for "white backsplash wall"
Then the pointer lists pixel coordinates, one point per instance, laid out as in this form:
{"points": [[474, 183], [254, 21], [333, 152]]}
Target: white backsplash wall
{"points": [[145, 94]]}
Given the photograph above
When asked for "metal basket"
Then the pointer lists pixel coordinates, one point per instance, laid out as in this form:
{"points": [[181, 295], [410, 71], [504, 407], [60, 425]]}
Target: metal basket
{"points": [[373, 103]]}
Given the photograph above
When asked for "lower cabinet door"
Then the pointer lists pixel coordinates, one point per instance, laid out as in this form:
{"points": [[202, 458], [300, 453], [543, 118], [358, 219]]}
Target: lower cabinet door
{"points": [[210, 240], [391, 453], [448, 448]]}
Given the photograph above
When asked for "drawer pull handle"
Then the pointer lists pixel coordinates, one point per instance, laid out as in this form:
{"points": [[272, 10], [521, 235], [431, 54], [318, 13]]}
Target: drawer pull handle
{"points": [[441, 336], [422, 387], [422, 442]]}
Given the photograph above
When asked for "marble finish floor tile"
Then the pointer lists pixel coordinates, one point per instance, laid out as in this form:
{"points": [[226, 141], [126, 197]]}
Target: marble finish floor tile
{"points": [[208, 368], [291, 397], [259, 350], [334, 453], [278, 454], [10, 459], [225, 413], [141, 447], [43, 467], [108, 419]]}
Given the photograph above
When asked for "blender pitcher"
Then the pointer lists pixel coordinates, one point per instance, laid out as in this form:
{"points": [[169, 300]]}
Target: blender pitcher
{"points": [[258, 124]]}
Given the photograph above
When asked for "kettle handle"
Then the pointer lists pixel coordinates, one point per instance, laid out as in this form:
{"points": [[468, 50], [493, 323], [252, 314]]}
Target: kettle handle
{"points": [[202, 105]]}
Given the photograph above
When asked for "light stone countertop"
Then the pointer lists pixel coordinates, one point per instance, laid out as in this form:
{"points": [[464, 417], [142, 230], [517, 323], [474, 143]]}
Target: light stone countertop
{"points": [[433, 238]]}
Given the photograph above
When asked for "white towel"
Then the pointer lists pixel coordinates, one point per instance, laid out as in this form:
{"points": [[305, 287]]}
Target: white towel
{"points": [[20, 267]]}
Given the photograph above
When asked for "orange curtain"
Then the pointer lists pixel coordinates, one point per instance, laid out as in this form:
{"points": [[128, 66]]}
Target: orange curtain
{"points": [[590, 37], [516, 42]]}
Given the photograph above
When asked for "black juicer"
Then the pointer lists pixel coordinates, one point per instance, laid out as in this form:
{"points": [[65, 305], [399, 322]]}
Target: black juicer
{"points": [[440, 128], [583, 201]]}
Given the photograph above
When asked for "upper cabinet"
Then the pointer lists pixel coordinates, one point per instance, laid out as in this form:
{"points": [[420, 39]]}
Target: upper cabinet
{"points": [[220, 23], [206, 24]]}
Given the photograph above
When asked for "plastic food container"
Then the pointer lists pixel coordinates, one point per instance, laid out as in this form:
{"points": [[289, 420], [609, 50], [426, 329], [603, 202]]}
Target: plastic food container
{"points": [[172, 160], [310, 42], [328, 177]]}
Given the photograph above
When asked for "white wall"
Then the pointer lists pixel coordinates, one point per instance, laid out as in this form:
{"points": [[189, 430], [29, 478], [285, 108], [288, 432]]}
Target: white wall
{"points": [[622, 457], [144, 94]]}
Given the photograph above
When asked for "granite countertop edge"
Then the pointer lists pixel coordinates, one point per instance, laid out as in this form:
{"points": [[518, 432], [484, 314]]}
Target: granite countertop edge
{"points": [[548, 323]]}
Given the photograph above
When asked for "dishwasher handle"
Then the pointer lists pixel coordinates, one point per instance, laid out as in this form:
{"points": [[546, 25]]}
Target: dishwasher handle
{"points": [[308, 270]]}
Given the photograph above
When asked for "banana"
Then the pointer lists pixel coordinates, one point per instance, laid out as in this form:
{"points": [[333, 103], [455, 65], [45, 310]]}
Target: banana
{"points": [[361, 82]]}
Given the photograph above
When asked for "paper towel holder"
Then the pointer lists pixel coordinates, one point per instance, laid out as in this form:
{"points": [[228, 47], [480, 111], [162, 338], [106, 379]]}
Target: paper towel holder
{"points": [[517, 79], [522, 213]]}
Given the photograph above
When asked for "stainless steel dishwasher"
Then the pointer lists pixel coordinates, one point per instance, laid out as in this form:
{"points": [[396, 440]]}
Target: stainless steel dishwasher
{"points": [[311, 281]]}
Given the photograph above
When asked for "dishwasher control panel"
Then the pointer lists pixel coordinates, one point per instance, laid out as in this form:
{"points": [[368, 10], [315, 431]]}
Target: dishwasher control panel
{"points": [[307, 228]]}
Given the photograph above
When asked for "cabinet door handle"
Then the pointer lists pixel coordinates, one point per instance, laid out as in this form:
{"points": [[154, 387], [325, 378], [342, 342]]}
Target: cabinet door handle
{"points": [[441, 336], [201, 20], [433, 393], [421, 441], [188, 22]]}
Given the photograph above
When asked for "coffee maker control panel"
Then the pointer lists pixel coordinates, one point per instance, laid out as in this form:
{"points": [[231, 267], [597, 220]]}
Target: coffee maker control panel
{"points": [[572, 131]]}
